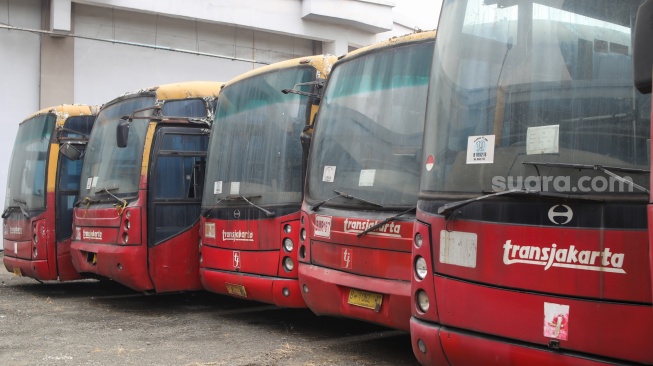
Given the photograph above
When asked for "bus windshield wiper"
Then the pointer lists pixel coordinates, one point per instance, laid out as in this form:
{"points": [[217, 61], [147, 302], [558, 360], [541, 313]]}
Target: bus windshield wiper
{"points": [[108, 191], [385, 221], [605, 169], [5, 213], [346, 195], [451, 206], [233, 198]]}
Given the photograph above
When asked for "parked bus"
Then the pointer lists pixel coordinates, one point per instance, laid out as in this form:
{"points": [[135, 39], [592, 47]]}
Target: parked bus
{"points": [[137, 221], [42, 187], [532, 245], [254, 181], [362, 182]]}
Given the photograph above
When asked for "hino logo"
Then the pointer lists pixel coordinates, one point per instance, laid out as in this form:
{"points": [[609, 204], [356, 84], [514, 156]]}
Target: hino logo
{"points": [[237, 214], [588, 260], [568, 214], [91, 235], [15, 230]]}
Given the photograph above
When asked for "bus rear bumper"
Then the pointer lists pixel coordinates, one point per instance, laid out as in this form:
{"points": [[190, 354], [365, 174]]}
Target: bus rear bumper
{"points": [[284, 292], [38, 269], [326, 292], [434, 344], [126, 265]]}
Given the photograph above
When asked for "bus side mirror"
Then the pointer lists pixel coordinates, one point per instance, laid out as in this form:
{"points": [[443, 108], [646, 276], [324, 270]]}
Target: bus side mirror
{"points": [[70, 151], [122, 133], [642, 51]]}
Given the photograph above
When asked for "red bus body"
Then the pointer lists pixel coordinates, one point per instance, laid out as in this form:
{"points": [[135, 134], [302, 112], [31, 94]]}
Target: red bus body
{"points": [[526, 275], [119, 237], [39, 246], [348, 268], [242, 249]]}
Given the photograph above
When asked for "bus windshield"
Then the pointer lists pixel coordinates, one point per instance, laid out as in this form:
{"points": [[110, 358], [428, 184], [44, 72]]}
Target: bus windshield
{"points": [[368, 136], [26, 185], [255, 147], [108, 168], [535, 95]]}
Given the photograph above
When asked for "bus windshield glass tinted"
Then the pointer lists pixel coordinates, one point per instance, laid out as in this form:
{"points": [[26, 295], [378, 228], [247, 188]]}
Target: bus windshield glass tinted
{"points": [[26, 185], [107, 166], [368, 136], [527, 90], [255, 147]]}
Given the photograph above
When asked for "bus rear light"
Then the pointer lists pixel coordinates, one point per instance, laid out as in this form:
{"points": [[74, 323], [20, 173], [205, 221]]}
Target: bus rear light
{"points": [[421, 269], [422, 301], [287, 229], [35, 252], [302, 234], [285, 292], [288, 245], [418, 240], [125, 237], [305, 289], [288, 264], [201, 258], [199, 245], [119, 266], [128, 214], [127, 225], [302, 252]]}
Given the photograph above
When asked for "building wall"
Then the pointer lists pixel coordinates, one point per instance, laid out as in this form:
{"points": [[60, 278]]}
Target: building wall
{"points": [[91, 51], [19, 73]]}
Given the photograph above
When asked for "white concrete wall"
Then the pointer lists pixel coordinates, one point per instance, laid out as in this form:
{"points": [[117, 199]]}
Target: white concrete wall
{"points": [[19, 74], [155, 51]]}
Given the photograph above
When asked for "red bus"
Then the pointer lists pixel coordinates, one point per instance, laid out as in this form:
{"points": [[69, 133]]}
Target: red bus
{"points": [[362, 182], [41, 190], [254, 181], [137, 221], [532, 242]]}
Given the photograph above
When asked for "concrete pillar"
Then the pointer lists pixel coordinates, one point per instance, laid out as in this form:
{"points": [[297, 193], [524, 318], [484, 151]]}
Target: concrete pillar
{"points": [[337, 47], [57, 56]]}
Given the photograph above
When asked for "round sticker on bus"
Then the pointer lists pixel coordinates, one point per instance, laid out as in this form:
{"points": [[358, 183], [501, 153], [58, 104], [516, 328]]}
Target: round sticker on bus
{"points": [[429, 162]]}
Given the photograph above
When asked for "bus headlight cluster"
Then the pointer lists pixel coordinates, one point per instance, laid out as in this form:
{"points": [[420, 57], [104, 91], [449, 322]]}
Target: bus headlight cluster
{"points": [[422, 301], [420, 268], [302, 234]]}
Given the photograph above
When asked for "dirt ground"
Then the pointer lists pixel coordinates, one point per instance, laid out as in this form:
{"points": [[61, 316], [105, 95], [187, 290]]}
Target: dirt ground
{"points": [[93, 322]]}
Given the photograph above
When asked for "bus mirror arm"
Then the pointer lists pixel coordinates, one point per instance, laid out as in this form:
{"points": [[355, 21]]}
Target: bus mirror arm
{"points": [[642, 52], [122, 132]]}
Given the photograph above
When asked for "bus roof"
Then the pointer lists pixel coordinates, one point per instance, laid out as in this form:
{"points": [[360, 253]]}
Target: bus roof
{"points": [[322, 63], [417, 37], [63, 111], [173, 91]]}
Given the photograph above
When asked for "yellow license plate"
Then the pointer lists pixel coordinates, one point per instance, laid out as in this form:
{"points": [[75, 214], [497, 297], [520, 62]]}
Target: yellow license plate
{"points": [[365, 299], [17, 272], [238, 290]]}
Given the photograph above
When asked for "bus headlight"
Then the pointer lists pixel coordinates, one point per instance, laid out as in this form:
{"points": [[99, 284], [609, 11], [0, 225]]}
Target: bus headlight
{"points": [[288, 245], [422, 301], [302, 234], [288, 264], [420, 268], [287, 229], [418, 240]]}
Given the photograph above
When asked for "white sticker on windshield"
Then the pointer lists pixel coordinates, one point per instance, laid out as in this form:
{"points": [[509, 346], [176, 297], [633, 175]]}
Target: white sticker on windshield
{"points": [[235, 188], [329, 173], [94, 183], [366, 178], [480, 149], [88, 183], [217, 187], [542, 140]]}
